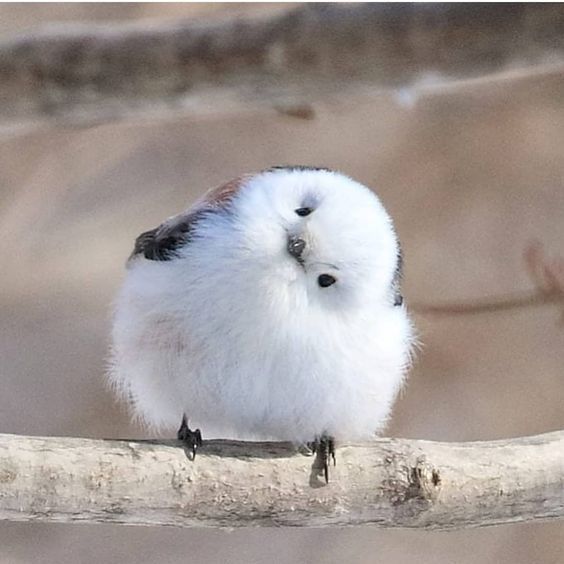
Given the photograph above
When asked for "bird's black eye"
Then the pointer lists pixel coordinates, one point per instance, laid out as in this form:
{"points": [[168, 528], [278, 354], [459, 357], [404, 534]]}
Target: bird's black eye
{"points": [[302, 212], [326, 280]]}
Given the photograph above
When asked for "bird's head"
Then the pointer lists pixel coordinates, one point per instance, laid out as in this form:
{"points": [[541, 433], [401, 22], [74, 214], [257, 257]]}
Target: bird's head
{"points": [[313, 236]]}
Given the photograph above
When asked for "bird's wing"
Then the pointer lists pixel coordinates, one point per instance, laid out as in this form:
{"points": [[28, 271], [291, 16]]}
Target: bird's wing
{"points": [[163, 242]]}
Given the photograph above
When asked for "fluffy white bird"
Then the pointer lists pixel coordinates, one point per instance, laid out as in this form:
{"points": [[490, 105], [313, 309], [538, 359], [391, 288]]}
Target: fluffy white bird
{"points": [[269, 309]]}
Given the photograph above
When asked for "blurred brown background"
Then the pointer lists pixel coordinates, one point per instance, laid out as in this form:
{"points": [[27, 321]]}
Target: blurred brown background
{"points": [[471, 174]]}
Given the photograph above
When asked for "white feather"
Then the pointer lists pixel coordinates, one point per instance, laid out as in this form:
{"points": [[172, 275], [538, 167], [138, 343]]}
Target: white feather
{"points": [[241, 338]]}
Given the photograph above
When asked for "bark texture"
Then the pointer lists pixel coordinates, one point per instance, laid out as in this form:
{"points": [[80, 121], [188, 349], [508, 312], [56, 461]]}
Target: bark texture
{"points": [[88, 73], [387, 483]]}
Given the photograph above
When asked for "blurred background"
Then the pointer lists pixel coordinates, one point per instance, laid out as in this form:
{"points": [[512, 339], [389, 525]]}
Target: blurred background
{"points": [[471, 173]]}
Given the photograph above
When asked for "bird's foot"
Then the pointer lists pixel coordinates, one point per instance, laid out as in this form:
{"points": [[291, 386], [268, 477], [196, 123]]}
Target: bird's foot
{"points": [[324, 448], [306, 449], [191, 439]]}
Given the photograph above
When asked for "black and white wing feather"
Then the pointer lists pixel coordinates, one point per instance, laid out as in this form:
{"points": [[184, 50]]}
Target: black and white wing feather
{"points": [[163, 242]]}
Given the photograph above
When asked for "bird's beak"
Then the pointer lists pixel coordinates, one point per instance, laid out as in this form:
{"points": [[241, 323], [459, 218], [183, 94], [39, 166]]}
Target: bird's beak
{"points": [[296, 247]]}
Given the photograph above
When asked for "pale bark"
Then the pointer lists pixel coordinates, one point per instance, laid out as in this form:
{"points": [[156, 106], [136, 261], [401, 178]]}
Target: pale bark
{"points": [[84, 73], [387, 483]]}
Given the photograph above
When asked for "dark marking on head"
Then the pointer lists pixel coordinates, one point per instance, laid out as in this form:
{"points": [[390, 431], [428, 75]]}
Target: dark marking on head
{"points": [[290, 168]]}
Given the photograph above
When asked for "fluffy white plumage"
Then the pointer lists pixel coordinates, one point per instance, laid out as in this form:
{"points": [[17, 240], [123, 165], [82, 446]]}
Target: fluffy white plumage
{"points": [[232, 330]]}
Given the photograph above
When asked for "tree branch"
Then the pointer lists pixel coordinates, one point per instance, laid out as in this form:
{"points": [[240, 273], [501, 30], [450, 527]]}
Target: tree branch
{"points": [[490, 305], [546, 273], [88, 73], [388, 483]]}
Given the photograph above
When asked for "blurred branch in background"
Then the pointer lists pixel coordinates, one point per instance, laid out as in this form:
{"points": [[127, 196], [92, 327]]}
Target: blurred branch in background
{"points": [[387, 483], [89, 73], [546, 274]]}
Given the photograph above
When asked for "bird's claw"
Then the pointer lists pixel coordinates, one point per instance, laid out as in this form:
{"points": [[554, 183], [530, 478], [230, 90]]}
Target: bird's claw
{"points": [[191, 439], [324, 448]]}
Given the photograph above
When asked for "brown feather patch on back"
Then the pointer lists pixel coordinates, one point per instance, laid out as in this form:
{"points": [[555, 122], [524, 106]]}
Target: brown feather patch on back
{"points": [[221, 195]]}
